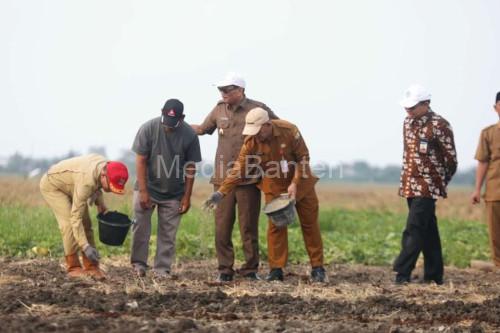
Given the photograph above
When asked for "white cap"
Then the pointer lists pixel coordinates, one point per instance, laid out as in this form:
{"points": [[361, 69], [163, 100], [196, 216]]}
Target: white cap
{"points": [[414, 95], [232, 79], [254, 120]]}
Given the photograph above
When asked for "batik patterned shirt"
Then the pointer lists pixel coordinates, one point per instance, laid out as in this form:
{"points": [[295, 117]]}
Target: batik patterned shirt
{"points": [[429, 158]]}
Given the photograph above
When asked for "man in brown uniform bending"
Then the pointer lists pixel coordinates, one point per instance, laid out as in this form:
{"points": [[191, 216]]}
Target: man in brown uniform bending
{"points": [[488, 157], [277, 147], [228, 118]]}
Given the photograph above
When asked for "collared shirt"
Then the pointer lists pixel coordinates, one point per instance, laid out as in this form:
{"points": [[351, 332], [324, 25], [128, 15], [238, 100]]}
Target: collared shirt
{"points": [[429, 158], [488, 150], [285, 158], [78, 178], [229, 123]]}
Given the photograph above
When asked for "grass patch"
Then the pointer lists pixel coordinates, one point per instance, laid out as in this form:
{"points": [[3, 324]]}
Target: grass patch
{"points": [[349, 236]]}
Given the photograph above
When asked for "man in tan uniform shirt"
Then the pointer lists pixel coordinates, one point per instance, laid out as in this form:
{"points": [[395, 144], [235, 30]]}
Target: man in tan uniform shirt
{"points": [[228, 118], [488, 157], [277, 148], [67, 187]]}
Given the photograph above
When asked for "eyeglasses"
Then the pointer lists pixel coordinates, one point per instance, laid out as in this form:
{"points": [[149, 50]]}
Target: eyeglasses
{"points": [[227, 89]]}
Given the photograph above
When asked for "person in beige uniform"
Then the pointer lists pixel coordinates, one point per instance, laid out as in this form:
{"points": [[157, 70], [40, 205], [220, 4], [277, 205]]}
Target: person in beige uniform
{"points": [[488, 167], [228, 118], [67, 187]]}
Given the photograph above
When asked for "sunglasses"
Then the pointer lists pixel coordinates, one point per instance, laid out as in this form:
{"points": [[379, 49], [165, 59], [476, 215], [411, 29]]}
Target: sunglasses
{"points": [[228, 89]]}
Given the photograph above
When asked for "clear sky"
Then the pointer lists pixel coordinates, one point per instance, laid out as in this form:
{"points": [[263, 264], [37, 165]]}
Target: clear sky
{"points": [[75, 74]]}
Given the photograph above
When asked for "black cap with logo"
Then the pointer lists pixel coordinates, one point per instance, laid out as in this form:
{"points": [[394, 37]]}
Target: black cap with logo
{"points": [[172, 112]]}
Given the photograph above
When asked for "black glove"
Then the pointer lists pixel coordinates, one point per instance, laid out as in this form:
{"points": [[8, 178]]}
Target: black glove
{"points": [[91, 253], [213, 200]]}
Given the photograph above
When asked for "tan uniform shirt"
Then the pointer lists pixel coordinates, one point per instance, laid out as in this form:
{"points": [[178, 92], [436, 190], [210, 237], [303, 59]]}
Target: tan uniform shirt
{"points": [[285, 158], [488, 150], [78, 178], [229, 123]]}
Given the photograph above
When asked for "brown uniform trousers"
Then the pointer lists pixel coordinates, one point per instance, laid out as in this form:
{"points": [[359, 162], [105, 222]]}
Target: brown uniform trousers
{"points": [[286, 144], [277, 238], [488, 150], [493, 215], [245, 198]]}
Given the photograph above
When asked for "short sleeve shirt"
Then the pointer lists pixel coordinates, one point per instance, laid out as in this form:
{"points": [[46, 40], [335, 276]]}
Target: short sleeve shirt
{"points": [[488, 150], [229, 123], [167, 154]]}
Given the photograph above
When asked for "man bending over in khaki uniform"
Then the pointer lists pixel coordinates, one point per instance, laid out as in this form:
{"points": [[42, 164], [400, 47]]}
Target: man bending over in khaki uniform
{"points": [[67, 187]]}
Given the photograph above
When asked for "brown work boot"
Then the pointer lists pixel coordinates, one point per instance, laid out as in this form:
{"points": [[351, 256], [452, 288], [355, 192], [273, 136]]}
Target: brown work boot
{"points": [[74, 268], [92, 269]]}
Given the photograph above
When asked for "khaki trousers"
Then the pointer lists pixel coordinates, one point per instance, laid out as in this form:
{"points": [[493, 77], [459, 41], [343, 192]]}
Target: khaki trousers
{"points": [[493, 216], [247, 199], [277, 238], [168, 223], [61, 203]]}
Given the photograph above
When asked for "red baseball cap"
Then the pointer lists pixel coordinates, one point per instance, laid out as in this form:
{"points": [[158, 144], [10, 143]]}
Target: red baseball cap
{"points": [[117, 176]]}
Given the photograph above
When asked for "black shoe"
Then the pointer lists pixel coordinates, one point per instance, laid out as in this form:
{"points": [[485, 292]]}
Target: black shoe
{"points": [[251, 276], [224, 277], [402, 279], [276, 274], [318, 274]]}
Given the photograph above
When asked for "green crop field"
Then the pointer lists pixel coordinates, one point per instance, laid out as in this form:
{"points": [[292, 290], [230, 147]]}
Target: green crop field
{"points": [[350, 235]]}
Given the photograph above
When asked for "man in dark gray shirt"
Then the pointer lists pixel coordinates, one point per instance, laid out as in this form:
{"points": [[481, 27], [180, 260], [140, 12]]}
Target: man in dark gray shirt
{"points": [[167, 150]]}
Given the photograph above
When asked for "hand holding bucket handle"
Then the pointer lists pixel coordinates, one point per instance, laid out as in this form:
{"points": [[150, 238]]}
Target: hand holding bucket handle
{"points": [[287, 196]]}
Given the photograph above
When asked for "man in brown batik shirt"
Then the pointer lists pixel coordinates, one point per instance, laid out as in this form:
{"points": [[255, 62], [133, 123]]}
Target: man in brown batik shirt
{"points": [[429, 162], [228, 118], [488, 157]]}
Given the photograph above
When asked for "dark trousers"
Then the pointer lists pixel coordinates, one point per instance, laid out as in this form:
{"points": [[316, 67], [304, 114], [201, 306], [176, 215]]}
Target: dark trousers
{"points": [[421, 235], [247, 199]]}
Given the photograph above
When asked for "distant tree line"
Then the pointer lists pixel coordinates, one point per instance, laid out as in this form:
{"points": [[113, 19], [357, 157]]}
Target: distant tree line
{"points": [[355, 172], [363, 172]]}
